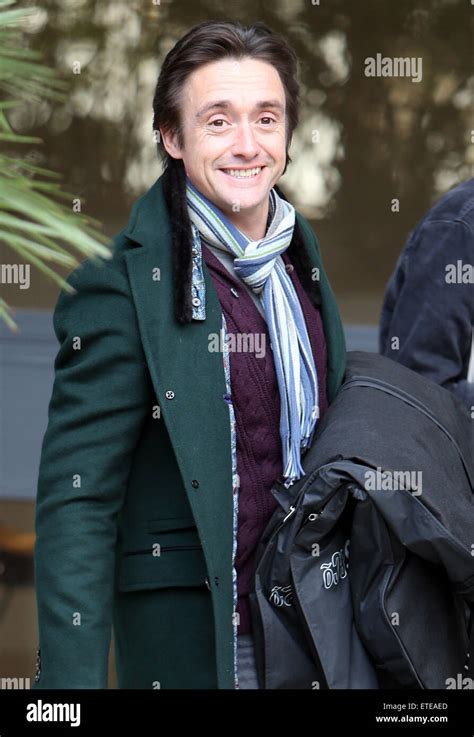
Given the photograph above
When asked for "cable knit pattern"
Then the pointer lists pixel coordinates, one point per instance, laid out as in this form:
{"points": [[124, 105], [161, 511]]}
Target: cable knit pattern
{"points": [[256, 403]]}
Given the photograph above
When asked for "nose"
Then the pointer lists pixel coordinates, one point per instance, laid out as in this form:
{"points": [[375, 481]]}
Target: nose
{"points": [[245, 142]]}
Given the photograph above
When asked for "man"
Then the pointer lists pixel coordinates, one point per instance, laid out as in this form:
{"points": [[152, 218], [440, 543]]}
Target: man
{"points": [[428, 310], [161, 449]]}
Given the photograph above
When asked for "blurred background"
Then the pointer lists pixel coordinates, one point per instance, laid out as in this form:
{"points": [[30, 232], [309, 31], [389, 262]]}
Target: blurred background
{"points": [[370, 156]]}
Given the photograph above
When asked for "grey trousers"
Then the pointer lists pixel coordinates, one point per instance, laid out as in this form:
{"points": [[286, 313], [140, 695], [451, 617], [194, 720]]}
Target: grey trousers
{"points": [[246, 667]]}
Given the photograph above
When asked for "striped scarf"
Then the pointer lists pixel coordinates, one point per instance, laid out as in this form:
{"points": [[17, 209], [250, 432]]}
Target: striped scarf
{"points": [[259, 264]]}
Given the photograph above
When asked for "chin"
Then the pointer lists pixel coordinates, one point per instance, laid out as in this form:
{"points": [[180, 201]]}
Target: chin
{"points": [[247, 202]]}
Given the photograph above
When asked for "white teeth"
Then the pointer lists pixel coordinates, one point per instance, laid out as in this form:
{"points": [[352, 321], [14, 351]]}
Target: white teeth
{"points": [[244, 173]]}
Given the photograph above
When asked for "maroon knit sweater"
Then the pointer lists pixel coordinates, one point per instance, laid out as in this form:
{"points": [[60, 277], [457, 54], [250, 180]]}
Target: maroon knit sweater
{"points": [[256, 401]]}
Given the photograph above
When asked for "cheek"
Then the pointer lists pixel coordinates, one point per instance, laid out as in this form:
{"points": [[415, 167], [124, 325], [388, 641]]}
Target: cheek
{"points": [[278, 141], [208, 145]]}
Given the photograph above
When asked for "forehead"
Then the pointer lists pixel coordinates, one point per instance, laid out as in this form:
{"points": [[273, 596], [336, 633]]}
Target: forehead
{"points": [[241, 81]]}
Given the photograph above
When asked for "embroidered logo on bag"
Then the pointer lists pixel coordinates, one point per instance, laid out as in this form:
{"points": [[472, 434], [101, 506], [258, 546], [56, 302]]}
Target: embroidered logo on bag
{"points": [[281, 596], [336, 570]]}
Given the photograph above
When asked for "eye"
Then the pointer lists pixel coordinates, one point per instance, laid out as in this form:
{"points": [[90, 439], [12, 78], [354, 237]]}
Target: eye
{"points": [[217, 120], [266, 117]]}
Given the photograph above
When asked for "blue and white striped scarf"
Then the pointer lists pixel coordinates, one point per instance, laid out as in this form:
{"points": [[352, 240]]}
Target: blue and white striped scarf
{"points": [[259, 264]]}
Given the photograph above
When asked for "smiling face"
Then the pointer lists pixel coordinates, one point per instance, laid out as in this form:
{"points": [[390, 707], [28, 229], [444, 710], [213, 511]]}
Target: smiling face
{"points": [[234, 128]]}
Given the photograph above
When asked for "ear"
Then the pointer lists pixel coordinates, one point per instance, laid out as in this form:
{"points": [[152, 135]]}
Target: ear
{"points": [[169, 140]]}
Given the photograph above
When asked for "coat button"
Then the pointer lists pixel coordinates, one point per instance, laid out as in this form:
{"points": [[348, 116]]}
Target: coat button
{"points": [[196, 301], [289, 268], [195, 483], [169, 394], [234, 292]]}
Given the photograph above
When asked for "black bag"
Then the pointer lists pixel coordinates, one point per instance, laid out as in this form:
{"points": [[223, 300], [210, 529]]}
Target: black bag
{"points": [[389, 478], [301, 606]]}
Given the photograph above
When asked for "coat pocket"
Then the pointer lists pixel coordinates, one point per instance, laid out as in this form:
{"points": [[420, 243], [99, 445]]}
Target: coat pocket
{"points": [[170, 555], [169, 524]]}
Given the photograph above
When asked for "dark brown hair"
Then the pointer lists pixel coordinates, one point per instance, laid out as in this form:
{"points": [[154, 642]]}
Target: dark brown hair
{"points": [[211, 41]]}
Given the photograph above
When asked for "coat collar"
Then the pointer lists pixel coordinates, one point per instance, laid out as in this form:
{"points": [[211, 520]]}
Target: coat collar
{"points": [[147, 211]]}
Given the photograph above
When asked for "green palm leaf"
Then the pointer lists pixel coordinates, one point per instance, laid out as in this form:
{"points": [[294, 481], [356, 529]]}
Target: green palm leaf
{"points": [[34, 223]]}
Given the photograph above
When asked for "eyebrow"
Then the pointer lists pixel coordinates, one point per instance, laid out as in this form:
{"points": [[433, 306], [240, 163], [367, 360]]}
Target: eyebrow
{"points": [[225, 104]]}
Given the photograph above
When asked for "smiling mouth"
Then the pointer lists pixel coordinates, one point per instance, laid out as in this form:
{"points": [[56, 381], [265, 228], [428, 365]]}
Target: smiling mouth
{"points": [[243, 173]]}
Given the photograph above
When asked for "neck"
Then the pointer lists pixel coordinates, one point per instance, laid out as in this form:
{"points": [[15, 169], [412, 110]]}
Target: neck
{"points": [[253, 224]]}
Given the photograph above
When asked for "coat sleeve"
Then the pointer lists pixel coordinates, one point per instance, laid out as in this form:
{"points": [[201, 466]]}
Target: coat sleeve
{"points": [[430, 317], [101, 396]]}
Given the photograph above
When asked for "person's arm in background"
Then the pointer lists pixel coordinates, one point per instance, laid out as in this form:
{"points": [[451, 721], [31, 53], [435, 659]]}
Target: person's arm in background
{"points": [[100, 398], [432, 318]]}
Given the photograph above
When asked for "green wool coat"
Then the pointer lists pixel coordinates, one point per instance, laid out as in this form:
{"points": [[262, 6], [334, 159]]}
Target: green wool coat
{"points": [[136, 455]]}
